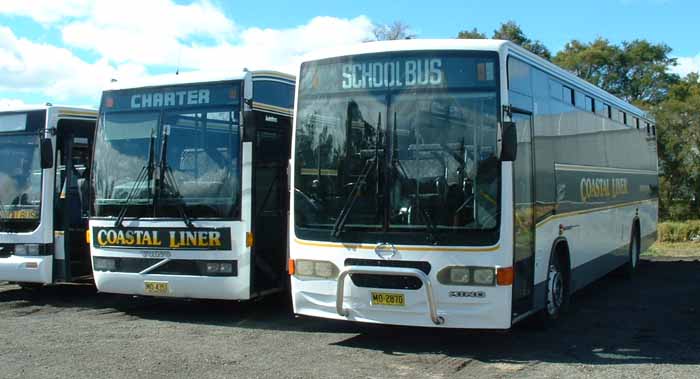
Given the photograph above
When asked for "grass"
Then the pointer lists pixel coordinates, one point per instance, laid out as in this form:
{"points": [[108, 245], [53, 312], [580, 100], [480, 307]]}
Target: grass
{"points": [[674, 249]]}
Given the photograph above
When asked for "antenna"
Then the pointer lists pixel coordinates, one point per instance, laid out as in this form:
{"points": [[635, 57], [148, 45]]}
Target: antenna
{"points": [[179, 55]]}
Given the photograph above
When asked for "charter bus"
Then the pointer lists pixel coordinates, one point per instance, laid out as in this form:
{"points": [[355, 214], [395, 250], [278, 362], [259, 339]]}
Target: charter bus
{"points": [[461, 184], [44, 165], [190, 186]]}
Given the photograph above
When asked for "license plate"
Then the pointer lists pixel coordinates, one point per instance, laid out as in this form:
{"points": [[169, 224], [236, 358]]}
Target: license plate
{"points": [[391, 299], [156, 288]]}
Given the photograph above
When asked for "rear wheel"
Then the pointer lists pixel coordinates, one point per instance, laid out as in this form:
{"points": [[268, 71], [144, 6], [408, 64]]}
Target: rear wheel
{"points": [[633, 259]]}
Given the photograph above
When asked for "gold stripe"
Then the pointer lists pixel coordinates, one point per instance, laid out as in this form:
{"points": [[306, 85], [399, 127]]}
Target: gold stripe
{"points": [[400, 247], [272, 108], [575, 213]]}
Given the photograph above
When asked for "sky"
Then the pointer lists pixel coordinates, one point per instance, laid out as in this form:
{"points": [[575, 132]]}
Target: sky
{"points": [[67, 51]]}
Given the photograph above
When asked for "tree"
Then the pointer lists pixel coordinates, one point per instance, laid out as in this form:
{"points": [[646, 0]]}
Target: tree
{"points": [[510, 31], [636, 71], [678, 128], [471, 34], [397, 30]]}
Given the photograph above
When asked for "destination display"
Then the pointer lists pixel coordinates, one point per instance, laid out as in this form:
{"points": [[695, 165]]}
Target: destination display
{"points": [[163, 238], [387, 72], [172, 97]]}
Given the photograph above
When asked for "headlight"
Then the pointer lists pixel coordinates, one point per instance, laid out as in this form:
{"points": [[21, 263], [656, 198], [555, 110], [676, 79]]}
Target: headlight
{"points": [[483, 276], [467, 276], [460, 275], [29, 249], [104, 264], [315, 269], [33, 249], [20, 249]]}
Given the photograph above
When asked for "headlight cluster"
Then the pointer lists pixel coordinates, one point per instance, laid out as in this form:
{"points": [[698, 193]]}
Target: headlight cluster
{"points": [[104, 264], [467, 276], [25, 250], [315, 269]]}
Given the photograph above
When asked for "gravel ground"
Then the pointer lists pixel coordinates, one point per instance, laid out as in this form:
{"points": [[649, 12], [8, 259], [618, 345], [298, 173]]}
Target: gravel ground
{"points": [[645, 327]]}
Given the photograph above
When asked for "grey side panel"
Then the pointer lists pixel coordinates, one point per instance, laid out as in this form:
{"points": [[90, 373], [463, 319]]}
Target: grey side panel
{"points": [[589, 272]]}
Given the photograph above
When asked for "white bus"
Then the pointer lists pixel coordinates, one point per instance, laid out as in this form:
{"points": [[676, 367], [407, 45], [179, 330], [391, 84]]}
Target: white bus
{"points": [[190, 187], [460, 183], [44, 156]]}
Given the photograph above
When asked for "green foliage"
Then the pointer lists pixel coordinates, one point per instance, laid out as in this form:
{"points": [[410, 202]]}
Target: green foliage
{"points": [[471, 34], [679, 231], [678, 128], [510, 31], [636, 71]]}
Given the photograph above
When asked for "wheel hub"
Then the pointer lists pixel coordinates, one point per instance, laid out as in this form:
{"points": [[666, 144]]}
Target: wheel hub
{"points": [[555, 295]]}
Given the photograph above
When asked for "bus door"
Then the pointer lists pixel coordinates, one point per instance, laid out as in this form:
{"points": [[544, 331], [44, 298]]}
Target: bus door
{"points": [[270, 200], [524, 216], [71, 202]]}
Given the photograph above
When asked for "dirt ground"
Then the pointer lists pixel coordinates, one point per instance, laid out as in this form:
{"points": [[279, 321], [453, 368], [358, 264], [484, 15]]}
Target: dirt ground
{"points": [[645, 327]]}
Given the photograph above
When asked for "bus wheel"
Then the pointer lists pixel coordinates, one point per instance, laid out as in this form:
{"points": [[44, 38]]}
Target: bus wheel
{"points": [[633, 260], [556, 293], [556, 290]]}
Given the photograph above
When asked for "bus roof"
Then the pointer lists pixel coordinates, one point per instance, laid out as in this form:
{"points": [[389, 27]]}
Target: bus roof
{"points": [[57, 108], [501, 46], [192, 78]]}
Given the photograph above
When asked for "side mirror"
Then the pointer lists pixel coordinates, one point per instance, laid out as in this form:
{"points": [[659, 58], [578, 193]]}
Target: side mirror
{"points": [[46, 153], [509, 142]]}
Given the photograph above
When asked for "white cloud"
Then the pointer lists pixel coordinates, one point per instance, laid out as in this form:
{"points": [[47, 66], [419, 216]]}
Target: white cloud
{"points": [[146, 32], [686, 65], [46, 11], [132, 39], [279, 49], [58, 74]]}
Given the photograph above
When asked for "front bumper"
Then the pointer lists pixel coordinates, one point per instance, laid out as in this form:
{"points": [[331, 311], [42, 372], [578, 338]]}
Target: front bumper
{"points": [[27, 269], [179, 286]]}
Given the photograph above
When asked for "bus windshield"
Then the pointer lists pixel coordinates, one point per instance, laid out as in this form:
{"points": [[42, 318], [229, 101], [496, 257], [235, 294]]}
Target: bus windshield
{"points": [[159, 163], [402, 146], [20, 182]]}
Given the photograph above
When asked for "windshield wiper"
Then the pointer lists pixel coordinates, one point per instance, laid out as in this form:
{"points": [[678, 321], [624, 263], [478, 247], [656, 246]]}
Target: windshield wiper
{"points": [[352, 198], [355, 191], [429, 224], [167, 180], [146, 173]]}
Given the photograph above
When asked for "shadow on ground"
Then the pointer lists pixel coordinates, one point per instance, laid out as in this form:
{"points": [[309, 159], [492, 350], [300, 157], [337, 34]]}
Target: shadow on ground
{"points": [[652, 318]]}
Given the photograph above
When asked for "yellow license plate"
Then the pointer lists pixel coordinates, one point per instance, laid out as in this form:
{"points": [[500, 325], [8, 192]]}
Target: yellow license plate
{"points": [[156, 288], [391, 299]]}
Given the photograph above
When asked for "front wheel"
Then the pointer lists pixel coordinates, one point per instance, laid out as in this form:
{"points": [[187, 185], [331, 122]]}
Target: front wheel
{"points": [[556, 293]]}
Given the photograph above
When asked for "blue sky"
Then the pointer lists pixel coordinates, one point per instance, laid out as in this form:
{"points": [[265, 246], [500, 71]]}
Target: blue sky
{"points": [[66, 51]]}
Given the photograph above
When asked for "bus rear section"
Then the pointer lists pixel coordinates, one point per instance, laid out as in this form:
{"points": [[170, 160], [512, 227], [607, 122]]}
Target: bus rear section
{"points": [[441, 183], [180, 186], [44, 156]]}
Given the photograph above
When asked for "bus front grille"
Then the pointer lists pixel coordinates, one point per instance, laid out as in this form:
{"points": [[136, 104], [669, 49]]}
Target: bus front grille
{"points": [[387, 281]]}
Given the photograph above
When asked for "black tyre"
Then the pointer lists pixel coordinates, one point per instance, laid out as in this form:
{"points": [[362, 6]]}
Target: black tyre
{"points": [[630, 267], [556, 293]]}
